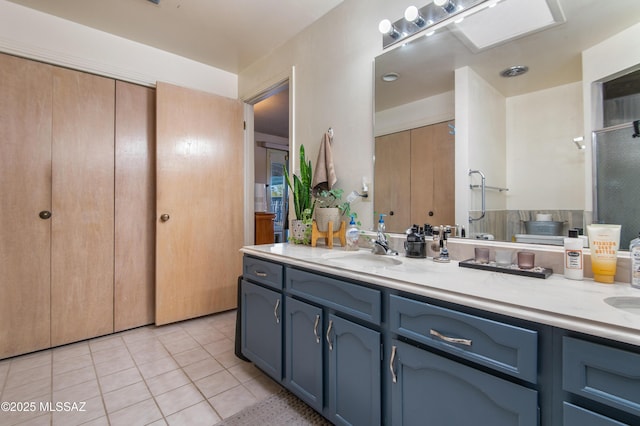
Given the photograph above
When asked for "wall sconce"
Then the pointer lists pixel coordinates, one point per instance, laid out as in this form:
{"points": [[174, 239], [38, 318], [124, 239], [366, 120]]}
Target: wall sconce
{"points": [[435, 15]]}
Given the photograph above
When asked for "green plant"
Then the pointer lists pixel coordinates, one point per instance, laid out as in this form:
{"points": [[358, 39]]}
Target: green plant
{"points": [[333, 198], [303, 202]]}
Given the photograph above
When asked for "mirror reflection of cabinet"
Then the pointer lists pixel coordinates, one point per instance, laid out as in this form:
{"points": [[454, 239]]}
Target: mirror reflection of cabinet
{"points": [[414, 172]]}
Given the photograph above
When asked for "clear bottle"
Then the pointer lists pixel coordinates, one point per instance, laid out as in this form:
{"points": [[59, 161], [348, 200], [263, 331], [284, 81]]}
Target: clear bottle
{"points": [[352, 235], [573, 258], [381, 226], [634, 254]]}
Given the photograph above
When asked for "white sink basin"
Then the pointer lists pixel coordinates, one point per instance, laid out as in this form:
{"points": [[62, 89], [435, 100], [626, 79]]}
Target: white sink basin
{"points": [[361, 259], [629, 304]]}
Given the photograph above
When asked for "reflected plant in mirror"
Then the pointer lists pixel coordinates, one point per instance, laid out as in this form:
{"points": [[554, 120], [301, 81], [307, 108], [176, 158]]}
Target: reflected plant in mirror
{"points": [[518, 130]]}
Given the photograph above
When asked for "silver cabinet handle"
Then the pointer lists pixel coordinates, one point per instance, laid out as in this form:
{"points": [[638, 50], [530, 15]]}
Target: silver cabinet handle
{"points": [[315, 329], [328, 333], [261, 274], [275, 311], [466, 342], [394, 376]]}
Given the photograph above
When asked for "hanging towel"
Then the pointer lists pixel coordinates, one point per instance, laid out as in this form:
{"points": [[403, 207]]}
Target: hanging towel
{"points": [[324, 176]]}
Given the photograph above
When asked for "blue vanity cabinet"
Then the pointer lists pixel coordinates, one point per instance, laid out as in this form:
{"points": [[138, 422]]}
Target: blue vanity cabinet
{"points": [[261, 315], [333, 347], [426, 387]]}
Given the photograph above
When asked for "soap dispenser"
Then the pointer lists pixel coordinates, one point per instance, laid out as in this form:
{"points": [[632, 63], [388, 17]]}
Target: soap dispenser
{"points": [[352, 235], [381, 226]]}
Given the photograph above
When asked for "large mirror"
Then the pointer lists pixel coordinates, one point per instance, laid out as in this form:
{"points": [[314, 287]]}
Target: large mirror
{"points": [[522, 132]]}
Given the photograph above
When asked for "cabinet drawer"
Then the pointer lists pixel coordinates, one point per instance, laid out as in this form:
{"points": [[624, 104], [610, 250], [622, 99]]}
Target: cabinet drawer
{"points": [[355, 300], [601, 373], [263, 272], [578, 416], [503, 347]]}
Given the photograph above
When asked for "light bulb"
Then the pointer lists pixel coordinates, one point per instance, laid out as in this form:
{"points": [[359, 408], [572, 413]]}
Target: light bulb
{"points": [[412, 14], [386, 27]]}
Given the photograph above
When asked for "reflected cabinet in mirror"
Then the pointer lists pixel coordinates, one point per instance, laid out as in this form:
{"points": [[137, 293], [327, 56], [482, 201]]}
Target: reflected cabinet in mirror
{"points": [[520, 89]]}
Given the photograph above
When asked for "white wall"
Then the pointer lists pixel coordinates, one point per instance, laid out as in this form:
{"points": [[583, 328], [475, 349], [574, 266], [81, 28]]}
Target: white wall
{"points": [[431, 110], [36, 35], [545, 169]]}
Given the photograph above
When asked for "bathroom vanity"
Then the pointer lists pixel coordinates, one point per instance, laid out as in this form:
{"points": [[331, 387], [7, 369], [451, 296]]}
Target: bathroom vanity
{"points": [[370, 340]]}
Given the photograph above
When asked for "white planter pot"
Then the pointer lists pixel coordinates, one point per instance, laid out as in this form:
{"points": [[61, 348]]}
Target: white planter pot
{"points": [[326, 215]]}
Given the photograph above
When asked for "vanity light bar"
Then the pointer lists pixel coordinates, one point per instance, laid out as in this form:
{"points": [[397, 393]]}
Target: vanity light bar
{"points": [[429, 18]]}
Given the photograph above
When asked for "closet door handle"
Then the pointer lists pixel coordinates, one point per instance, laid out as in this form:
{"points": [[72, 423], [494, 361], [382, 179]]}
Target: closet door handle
{"points": [[394, 376], [315, 329], [164, 217], [275, 311], [45, 214], [328, 335]]}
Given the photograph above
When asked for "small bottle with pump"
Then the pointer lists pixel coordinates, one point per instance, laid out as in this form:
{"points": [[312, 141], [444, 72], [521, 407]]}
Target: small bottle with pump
{"points": [[381, 226], [573, 258], [352, 235], [634, 254]]}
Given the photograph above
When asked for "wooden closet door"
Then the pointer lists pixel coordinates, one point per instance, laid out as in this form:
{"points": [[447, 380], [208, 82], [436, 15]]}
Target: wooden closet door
{"points": [[200, 188], [83, 204], [135, 208], [25, 188], [393, 180]]}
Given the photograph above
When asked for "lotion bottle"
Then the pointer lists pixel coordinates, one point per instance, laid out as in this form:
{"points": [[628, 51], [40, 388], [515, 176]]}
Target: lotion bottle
{"points": [[352, 236], [573, 259], [634, 254]]}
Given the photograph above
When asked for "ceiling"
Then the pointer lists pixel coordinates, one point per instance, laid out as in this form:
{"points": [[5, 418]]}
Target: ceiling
{"points": [[426, 65], [226, 34]]}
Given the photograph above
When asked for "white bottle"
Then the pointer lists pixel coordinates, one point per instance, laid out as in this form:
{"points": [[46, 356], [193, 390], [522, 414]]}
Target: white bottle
{"points": [[352, 235], [573, 259], [634, 254]]}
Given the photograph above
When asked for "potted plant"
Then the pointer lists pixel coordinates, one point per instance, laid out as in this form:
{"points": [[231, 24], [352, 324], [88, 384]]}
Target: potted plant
{"points": [[331, 208], [303, 203]]}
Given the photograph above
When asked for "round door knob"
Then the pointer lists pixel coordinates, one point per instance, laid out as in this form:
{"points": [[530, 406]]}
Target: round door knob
{"points": [[165, 217], [44, 214], [430, 213], [391, 213]]}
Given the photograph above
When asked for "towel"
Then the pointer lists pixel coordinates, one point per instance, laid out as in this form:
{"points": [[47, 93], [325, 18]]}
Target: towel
{"points": [[324, 176]]}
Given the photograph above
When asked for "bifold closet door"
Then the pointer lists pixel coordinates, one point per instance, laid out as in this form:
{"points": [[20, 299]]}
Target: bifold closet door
{"points": [[393, 180], [134, 287], [25, 188], [199, 202], [83, 206]]}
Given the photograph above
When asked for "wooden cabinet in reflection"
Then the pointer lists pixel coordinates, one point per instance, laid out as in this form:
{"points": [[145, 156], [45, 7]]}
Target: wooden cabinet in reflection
{"points": [[264, 233]]}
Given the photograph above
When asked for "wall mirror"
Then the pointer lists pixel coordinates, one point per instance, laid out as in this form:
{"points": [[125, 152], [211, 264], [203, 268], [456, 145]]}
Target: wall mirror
{"points": [[523, 132]]}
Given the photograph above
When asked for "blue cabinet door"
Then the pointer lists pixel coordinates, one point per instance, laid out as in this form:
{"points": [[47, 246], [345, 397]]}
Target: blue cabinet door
{"points": [[303, 351], [354, 373], [430, 389], [262, 328]]}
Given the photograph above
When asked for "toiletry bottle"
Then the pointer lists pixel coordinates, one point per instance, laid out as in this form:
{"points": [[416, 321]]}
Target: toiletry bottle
{"points": [[352, 235], [381, 227], [573, 260], [634, 254]]}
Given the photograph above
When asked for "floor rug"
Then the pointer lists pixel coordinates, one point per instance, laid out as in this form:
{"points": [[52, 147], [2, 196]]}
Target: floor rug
{"points": [[281, 408]]}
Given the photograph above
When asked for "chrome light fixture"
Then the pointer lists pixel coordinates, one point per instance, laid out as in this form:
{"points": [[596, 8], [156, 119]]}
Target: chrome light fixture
{"points": [[435, 15]]}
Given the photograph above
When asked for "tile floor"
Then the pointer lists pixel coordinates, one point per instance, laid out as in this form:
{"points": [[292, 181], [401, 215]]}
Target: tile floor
{"points": [[178, 374]]}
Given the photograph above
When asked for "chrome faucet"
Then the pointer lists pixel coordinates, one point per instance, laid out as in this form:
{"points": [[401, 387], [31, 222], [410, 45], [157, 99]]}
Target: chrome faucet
{"points": [[381, 245]]}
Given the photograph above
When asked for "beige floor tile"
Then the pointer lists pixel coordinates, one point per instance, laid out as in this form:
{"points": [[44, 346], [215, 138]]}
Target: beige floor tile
{"points": [[23, 376], [178, 399], [28, 391], [37, 418], [262, 387], [30, 361], [129, 395], [228, 359], [69, 364], [245, 371], [192, 355], [207, 336], [230, 402], [76, 393], [93, 409], [149, 352], [217, 383], [71, 350], [220, 346], [200, 414], [100, 421], [115, 365], [157, 367], [119, 380], [203, 368], [112, 354], [181, 345], [139, 414], [167, 381], [160, 422], [40, 420], [106, 342], [64, 380]]}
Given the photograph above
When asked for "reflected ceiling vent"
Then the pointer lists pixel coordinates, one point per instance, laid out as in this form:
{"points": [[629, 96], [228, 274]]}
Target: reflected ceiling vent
{"points": [[514, 71], [390, 76], [507, 20]]}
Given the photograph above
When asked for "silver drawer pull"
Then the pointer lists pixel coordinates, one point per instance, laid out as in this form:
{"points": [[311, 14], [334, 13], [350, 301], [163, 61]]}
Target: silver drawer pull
{"points": [[329, 335], [466, 342], [394, 376], [275, 311], [315, 329], [261, 274]]}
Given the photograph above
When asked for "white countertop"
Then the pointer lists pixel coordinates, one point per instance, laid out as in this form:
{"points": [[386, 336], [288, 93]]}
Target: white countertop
{"points": [[555, 301]]}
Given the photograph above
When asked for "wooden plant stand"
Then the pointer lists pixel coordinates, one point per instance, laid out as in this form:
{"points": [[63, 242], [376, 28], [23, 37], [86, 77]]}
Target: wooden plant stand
{"points": [[329, 235]]}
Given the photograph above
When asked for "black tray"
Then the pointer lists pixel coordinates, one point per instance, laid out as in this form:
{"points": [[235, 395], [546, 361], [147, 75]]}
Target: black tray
{"points": [[537, 272]]}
